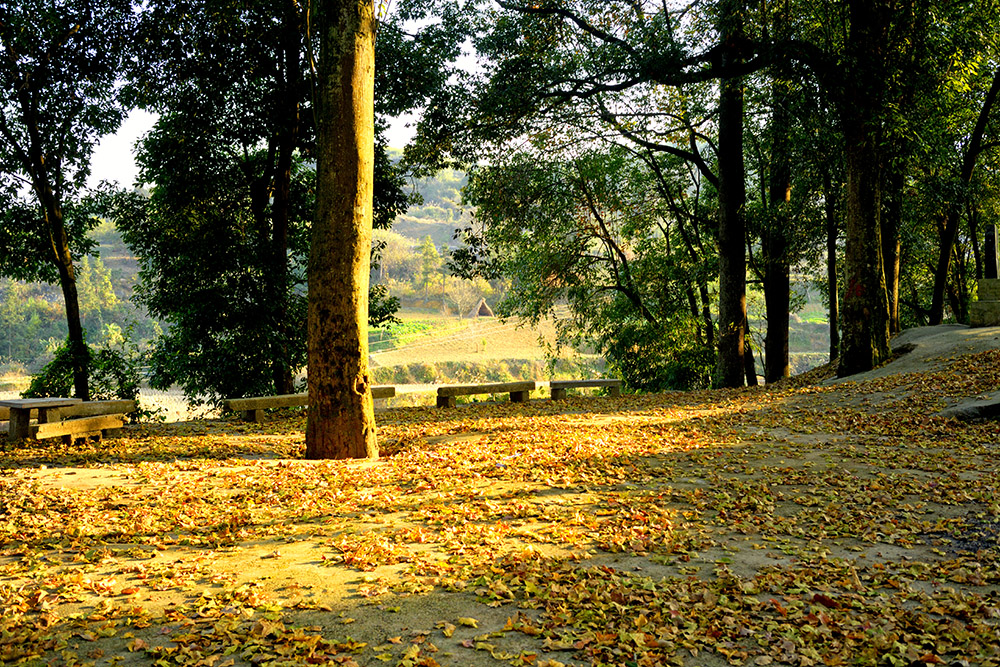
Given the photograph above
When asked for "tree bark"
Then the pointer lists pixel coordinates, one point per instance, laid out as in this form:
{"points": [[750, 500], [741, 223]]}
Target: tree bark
{"points": [[777, 281], [865, 331], [341, 422], [891, 222], [729, 369], [830, 209]]}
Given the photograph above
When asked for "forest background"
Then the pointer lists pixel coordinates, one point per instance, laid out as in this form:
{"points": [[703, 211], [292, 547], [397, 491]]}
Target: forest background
{"points": [[633, 169]]}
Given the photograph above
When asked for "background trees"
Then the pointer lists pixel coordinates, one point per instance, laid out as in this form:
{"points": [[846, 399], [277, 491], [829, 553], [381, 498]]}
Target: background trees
{"points": [[59, 93], [224, 234], [850, 83], [589, 232]]}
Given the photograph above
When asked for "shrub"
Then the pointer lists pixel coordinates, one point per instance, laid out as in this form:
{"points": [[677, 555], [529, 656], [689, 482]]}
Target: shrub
{"points": [[424, 373], [115, 373]]}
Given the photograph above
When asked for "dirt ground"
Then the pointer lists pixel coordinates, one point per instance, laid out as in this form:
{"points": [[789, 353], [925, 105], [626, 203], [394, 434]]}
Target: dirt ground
{"points": [[813, 522]]}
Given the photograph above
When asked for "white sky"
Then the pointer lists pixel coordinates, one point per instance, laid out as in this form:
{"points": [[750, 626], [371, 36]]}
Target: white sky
{"points": [[114, 157]]}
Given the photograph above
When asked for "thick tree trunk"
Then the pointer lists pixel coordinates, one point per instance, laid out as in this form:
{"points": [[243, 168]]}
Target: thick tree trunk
{"points": [[282, 372], [341, 422], [865, 331], [777, 283], [729, 368]]}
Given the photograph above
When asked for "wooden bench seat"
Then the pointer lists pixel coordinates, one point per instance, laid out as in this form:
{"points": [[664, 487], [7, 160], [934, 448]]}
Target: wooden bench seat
{"points": [[559, 387], [81, 427], [518, 391], [253, 407], [79, 420]]}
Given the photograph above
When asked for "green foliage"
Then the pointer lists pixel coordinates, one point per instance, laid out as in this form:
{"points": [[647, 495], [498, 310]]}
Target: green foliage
{"points": [[115, 373], [654, 358], [501, 370], [587, 232]]}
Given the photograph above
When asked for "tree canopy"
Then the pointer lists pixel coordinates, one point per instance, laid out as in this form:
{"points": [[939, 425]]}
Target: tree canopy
{"points": [[59, 92]]}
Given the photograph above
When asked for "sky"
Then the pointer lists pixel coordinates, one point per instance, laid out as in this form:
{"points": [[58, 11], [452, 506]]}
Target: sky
{"points": [[114, 157]]}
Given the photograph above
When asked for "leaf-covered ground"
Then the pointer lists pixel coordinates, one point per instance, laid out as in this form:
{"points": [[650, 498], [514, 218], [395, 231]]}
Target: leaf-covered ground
{"points": [[793, 525]]}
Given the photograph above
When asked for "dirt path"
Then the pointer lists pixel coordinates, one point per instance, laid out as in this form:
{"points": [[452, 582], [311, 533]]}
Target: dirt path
{"points": [[800, 524]]}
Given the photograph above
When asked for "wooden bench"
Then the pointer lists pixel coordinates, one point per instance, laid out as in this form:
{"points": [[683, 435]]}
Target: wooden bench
{"points": [[68, 420], [253, 407], [559, 387], [518, 391], [80, 427]]}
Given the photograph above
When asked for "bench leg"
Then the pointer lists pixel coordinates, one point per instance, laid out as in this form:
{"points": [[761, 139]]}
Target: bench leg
{"points": [[558, 394], [255, 416], [18, 428], [86, 435], [614, 391], [519, 396], [446, 401]]}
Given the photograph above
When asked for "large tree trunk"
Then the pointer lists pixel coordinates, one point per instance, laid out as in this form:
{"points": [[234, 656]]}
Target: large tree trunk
{"points": [[777, 283], [729, 369], [341, 421], [282, 372], [865, 340]]}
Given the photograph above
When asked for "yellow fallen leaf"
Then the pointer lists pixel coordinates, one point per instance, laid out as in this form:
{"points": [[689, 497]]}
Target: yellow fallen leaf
{"points": [[468, 622]]}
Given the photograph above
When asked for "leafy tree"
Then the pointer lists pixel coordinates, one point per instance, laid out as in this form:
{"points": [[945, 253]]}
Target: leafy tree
{"points": [[589, 233], [97, 295], [232, 152], [59, 92], [341, 421], [572, 64]]}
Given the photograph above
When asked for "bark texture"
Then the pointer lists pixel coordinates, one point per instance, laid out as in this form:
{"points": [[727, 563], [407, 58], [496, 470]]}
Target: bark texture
{"points": [[730, 369], [777, 273], [865, 313], [341, 421]]}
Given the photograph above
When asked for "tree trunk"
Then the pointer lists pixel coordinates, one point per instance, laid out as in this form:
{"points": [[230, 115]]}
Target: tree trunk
{"points": [[865, 341], [341, 422], [40, 166], [777, 283], [973, 214], [892, 218], [729, 369], [969, 158], [280, 212], [830, 198], [63, 260], [749, 365], [67, 281]]}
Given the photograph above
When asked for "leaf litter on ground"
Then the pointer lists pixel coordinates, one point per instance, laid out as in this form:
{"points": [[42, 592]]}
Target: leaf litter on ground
{"points": [[796, 524]]}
